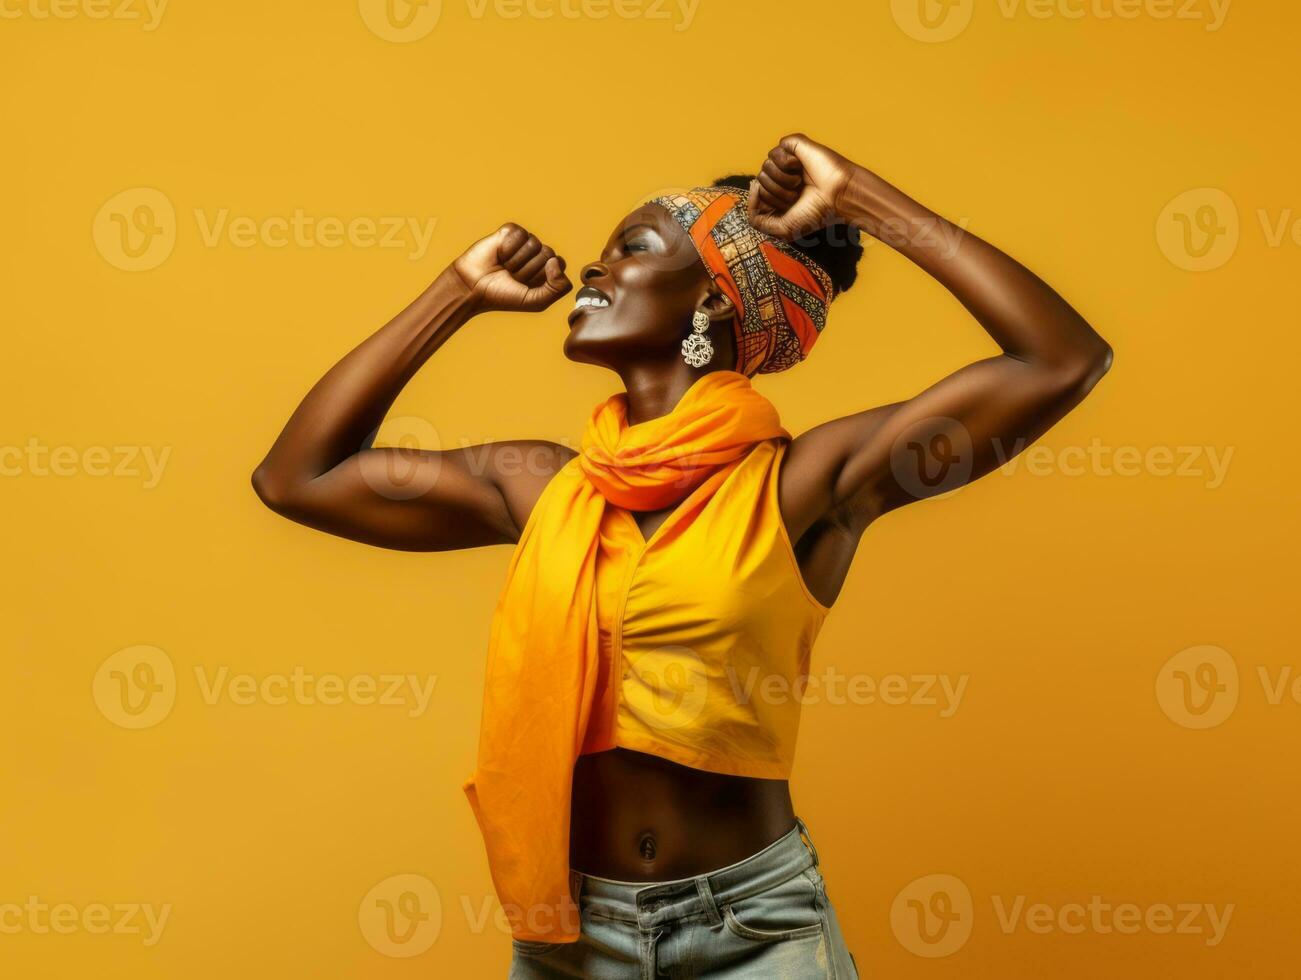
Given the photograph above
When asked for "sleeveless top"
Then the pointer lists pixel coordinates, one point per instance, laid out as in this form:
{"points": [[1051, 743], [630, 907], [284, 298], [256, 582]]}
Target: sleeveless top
{"points": [[706, 629]]}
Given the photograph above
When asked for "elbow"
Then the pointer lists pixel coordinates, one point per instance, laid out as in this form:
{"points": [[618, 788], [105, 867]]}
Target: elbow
{"points": [[1099, 363], [273, 491], [1080, 376], [1103, 358]]}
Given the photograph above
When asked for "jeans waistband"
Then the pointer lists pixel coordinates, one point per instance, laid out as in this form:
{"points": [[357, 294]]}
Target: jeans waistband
{"points": [[651, 904]]}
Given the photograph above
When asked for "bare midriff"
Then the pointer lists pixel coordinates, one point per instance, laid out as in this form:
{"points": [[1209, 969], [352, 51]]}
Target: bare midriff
{"points": [[637, 817]]}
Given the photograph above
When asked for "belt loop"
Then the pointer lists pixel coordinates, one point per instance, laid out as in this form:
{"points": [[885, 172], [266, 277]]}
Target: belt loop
{"points": [[575, 885], [707, 899], [808, 840]]}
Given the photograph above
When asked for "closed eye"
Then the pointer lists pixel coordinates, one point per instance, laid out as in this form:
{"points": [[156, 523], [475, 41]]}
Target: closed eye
{"points": [[639, 237]]}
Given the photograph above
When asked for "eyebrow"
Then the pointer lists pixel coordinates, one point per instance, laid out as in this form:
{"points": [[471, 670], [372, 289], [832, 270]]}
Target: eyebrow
{"points": [[640, 224]]}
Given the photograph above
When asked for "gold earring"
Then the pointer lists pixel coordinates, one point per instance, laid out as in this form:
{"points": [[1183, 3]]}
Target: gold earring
{"points": [[696, 348]]}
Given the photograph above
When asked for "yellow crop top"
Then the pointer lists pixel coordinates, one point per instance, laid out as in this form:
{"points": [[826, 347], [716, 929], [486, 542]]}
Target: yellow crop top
{"points": [[705, 629]]}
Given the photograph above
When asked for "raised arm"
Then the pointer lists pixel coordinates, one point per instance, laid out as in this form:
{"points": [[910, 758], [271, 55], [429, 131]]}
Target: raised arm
{"points": [[978, 417], [323, 472]]}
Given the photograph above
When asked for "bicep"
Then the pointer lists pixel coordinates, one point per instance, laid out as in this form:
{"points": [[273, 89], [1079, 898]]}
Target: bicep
{"points": [[421, 500]]}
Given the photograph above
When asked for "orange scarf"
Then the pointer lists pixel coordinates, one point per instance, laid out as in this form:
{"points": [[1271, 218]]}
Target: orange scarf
{"points": [[542, 650]]}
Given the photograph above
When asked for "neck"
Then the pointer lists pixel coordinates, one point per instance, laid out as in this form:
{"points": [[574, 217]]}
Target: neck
{"points": [[654, 389]]}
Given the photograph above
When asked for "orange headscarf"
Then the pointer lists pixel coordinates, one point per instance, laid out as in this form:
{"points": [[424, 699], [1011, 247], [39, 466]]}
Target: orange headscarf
{"points": [[780, 294], [543, 647]]}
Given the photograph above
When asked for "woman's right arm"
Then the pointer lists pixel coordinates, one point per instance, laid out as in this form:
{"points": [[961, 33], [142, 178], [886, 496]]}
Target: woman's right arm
{"points": [[322, 470]]}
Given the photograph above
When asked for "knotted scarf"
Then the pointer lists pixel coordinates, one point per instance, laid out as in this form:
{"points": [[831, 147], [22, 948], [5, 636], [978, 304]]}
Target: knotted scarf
{"points": [[543, 648]]}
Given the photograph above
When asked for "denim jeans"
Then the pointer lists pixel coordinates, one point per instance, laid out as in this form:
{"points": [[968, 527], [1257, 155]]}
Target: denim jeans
{"points": [[767, 916]]}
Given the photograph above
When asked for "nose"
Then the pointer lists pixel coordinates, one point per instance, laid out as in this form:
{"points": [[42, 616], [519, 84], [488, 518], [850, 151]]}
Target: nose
{"points": [[593, 270]]}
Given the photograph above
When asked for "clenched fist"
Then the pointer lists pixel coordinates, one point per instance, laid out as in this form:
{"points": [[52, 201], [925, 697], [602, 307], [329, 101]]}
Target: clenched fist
{"points": [[798, 188], [512, 270]]}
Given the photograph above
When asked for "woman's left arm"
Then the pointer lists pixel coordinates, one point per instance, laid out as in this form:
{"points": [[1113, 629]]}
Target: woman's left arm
{"points": [[978, 417]]}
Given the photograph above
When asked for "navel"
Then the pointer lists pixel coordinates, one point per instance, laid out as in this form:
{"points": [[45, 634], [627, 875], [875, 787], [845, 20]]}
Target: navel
{"points": [[647, 847]]}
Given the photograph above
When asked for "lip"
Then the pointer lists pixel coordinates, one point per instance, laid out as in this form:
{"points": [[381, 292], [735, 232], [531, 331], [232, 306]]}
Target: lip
{"points": [[587, 292]]}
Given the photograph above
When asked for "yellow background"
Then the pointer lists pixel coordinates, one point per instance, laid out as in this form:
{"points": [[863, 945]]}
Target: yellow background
{"points": [[1059, 595]]}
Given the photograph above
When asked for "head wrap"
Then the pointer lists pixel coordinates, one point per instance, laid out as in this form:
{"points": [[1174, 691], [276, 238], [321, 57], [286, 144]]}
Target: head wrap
{"points": [[780, 294]]}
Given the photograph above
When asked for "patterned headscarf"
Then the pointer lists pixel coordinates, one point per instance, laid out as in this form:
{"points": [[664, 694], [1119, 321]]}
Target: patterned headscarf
{"points": [[781, 295]]}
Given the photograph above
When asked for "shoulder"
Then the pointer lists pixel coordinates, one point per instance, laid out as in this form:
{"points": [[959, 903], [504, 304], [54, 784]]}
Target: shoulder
{"points": [[521, 469]]}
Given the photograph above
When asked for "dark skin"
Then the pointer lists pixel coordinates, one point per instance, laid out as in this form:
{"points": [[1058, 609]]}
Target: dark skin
{"points": [[637, 817]]}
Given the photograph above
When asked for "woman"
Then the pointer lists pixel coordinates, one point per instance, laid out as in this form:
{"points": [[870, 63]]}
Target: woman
{"points": [[631, 785]]}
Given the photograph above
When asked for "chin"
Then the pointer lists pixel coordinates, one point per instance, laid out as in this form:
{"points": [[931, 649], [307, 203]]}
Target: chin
{"points": [[589, 340], [603, 348], [579, 349]]}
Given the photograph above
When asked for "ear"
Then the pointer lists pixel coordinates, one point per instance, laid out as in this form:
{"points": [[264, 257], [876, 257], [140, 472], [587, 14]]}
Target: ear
{"points": [[722, 324], [718, 307]]}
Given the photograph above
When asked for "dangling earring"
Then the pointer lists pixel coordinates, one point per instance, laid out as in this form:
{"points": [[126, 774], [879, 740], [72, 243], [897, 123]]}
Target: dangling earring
{"points": [[696, 348]]}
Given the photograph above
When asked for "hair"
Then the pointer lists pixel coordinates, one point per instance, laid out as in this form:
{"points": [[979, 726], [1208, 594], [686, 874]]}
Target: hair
{"points": [[836, 248]]}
